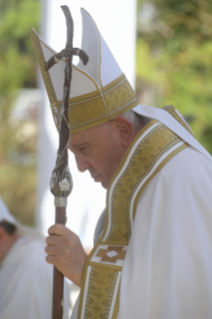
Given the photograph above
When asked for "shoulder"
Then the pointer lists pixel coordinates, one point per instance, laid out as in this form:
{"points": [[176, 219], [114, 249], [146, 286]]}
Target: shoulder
{"points": [[188, 165], [184, 181]]}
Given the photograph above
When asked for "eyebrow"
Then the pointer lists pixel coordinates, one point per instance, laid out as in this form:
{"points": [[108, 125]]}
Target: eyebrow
{"points": [[79, 145]]}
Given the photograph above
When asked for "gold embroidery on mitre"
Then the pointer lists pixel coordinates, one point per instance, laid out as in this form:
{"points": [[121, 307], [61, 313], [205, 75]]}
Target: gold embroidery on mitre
{"points": [[98, 107], [90, 109], [47, 78], [149, 152]]}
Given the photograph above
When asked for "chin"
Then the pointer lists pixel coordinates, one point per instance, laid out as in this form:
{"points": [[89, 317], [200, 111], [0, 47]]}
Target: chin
{"points": [[105, 185]]}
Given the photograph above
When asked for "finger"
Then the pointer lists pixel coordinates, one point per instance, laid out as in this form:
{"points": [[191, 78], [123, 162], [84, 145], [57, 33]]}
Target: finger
{"points": [[54, 240], [52, 250], [59, 229], [50, 259], [69, 240]]}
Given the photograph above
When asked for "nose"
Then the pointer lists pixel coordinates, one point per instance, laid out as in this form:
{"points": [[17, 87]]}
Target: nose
{"points": [[82, 163]]}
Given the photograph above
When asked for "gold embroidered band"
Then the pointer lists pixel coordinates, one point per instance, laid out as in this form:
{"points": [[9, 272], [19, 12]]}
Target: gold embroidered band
{"points": [[149, 152], [99, 107], [178, 117]]}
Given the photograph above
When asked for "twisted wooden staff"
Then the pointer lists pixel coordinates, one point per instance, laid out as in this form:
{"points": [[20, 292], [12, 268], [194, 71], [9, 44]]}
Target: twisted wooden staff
{"points": [[61, 180]]}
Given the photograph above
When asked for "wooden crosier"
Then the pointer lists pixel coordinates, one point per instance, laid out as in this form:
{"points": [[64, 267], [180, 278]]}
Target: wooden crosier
{"points": [[61, 180]]}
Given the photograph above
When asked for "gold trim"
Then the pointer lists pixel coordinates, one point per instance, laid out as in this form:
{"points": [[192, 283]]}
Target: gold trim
{"points": [[42, 61], [90, 109], [142, 131], [104, 281], [173, 111], [45, 74], [156, 171], [118, 268], [96, 94], [157, 142], [116, 308], [147, 152], [73, 66]]}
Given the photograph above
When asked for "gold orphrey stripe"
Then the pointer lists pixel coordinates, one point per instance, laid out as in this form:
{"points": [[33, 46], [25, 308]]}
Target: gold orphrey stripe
{"points": [[100, 292], [101, 106]]}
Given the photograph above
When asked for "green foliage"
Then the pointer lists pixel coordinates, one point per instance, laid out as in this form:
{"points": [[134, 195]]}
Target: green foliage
{"points": [[17, 70], [174, 51], [18, 63], [18, 191]]}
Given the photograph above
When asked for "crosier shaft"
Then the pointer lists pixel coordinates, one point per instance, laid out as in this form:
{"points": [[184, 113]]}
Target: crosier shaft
{"points": [[61, 180]]}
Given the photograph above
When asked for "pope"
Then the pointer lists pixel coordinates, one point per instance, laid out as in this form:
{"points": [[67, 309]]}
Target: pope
{"points": [[153, 242]]}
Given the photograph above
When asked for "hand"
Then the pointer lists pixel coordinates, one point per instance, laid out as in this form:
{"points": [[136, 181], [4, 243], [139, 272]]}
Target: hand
{"points": [[65, 251]]}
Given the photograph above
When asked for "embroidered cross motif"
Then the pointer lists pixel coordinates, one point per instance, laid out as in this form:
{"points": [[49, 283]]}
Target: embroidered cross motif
{"points": [[112, 254]]}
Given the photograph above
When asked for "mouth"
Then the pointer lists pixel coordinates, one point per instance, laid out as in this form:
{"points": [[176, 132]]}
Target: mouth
{"points": [[97, 178]]}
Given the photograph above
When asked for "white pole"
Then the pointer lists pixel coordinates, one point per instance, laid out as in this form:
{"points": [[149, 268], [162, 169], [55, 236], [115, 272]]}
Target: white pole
{"points": [[116, 20]]}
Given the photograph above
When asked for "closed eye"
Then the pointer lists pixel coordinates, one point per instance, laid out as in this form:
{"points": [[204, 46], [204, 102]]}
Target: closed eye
{"points": [[84, 149]]}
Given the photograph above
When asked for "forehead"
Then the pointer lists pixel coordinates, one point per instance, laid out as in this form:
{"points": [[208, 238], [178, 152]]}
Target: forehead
{"points": [[91, 135], [78, 138], [87, 136]]}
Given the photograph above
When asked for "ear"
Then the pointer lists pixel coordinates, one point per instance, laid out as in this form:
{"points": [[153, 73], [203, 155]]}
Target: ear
{"points": [[125, 130]]}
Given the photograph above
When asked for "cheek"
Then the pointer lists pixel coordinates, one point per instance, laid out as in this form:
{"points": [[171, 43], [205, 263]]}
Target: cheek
{"points": [[114, 159], [109, 164], [99, 163], [106, 158]]}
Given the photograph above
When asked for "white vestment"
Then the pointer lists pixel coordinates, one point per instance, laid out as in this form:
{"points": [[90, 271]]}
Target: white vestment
{"points": [[26, 282], [167, 272]]}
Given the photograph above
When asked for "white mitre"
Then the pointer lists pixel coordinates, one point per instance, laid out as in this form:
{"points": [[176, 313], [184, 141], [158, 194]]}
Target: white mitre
{"points": [[99, 90]]}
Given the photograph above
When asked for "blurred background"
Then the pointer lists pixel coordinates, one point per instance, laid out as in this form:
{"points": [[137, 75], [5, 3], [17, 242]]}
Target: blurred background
{"points": [[172, 66]]}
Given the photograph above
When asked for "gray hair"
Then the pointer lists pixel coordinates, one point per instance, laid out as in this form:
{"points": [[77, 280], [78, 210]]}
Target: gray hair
{"points": [[135, 119]]}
